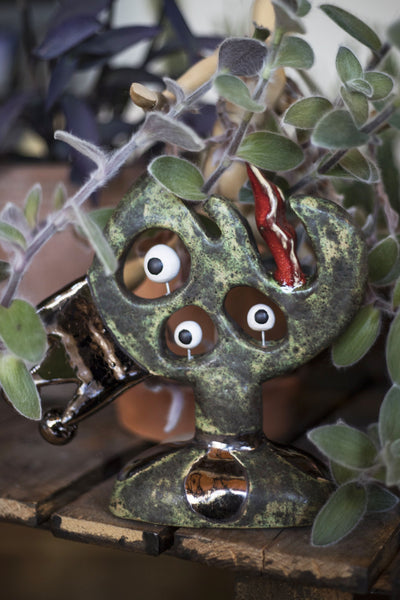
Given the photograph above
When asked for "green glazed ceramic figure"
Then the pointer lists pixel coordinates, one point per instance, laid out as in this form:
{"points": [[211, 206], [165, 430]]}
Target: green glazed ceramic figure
{"points": [[229, 475]]}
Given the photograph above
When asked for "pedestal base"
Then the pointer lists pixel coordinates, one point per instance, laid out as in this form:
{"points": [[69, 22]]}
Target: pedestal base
{"points": [[188, 485]]}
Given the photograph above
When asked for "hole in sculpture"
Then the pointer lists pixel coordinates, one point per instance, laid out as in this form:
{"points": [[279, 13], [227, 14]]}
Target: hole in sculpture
{"points": [[157, 264], [216, 486], [190, 329], [255, 314]]}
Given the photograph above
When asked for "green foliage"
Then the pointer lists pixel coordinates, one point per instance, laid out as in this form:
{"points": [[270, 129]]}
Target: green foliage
{"points": [[305, 113], [358, 338], [353, 26], [179, 177], [383, 261], [294, 52], [344, 445], [19, 323], [32, 205], [97, 240], [234, 90], [270, 151], [336, 130], [393, 350], [19, 386]]}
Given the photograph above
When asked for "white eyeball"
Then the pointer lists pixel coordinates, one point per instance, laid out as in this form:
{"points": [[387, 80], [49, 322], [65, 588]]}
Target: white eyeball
{"points": [[161, 263], [188, 334], [260, 317]]}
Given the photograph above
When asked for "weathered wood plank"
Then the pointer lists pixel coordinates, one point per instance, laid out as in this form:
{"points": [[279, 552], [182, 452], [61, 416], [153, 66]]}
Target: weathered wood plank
{"points": [[88, 519], [250, 587], [36, 478]]}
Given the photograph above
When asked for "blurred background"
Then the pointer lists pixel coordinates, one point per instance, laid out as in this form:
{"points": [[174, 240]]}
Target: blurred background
{"points": [[69, 65]]}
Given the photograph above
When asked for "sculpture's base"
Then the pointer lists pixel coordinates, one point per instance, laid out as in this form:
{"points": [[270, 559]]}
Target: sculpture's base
{"points": [[188, 485]]}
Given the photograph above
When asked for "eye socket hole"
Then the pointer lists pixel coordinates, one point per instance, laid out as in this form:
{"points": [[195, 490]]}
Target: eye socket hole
{"points": [[194, 321], [148, 278], [242, 304]]}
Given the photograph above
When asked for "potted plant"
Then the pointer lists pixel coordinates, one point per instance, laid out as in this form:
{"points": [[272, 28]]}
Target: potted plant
{"points": [[292, 136]]}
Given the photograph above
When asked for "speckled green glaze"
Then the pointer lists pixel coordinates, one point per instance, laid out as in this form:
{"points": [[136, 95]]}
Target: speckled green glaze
{"points": [[227, 380]]}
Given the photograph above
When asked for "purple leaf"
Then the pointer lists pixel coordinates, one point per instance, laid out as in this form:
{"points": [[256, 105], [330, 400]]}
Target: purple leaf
{"points": [[78, 8], [116, 40], [60, 77], [66, 35], [10, 111], [203, 120], [174, 15], [80, 122]]}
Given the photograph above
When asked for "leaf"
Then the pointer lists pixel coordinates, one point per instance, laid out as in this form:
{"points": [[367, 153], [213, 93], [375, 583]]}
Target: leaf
{"points": [[353, 26], [22, 331], [396, 295], [32, 205], [246, 195], [100, 216], [357, 104], [170, 130], [389, 416], [61, 75], [393, 33], [380, 499], [344, 445], [60, 196], [386, 156], [12, 235], [65, 35], [380, 83], [358, 338], [305, 113], [179, 176], [242, 56], [236, 91], [5, 270], [113, 41], [97, 240], [382, 259], [373, 434], [347, 65], [362, 86], [175, 89], [91, 151], [355, 163], [285, 19], [337, 130], [340, 515], [299, 8], [342, 474], [13, 215], [294, 52], [270, 151], [393, 350], [19, 387]]}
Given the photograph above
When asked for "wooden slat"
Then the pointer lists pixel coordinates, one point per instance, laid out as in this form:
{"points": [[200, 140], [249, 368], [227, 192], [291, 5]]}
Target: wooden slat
{"points": [[36, 478], [88, 519], [250, 587]]}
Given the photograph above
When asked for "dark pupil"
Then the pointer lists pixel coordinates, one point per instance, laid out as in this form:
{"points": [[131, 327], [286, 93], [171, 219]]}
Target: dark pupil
{"points": [[155, 266], [185, 337], [261, 316]]}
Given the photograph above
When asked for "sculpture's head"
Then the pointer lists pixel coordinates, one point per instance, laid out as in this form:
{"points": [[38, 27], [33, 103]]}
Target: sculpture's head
{"points": [[315, 313]]}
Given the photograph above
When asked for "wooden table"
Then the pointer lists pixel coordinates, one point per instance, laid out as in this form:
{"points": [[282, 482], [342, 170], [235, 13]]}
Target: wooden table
{"points": [[66, 490]]}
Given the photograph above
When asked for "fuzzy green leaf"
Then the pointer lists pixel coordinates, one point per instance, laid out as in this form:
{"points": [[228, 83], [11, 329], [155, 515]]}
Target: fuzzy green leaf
{"points": [[22, 331], [382, 259], [12, 235], [340, 515], [353, 26], [396, 295], [294, 52], [393, 350], [389, 416], [305, 113], [348, 65], [393, 33], [373, 434], [97, 240], [360, 85], [166, 129], [246, 195], [100, 216], [355, 163], [357, 104], [32, 204], [270, 151], [285, 19], [386, 155], [242, 56], [380, 499], [380, 83], [178, 176], [19, 387], [236, 91], [344, 445], [358, 338], [342, 474], [60, 196], [337, 130]]}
